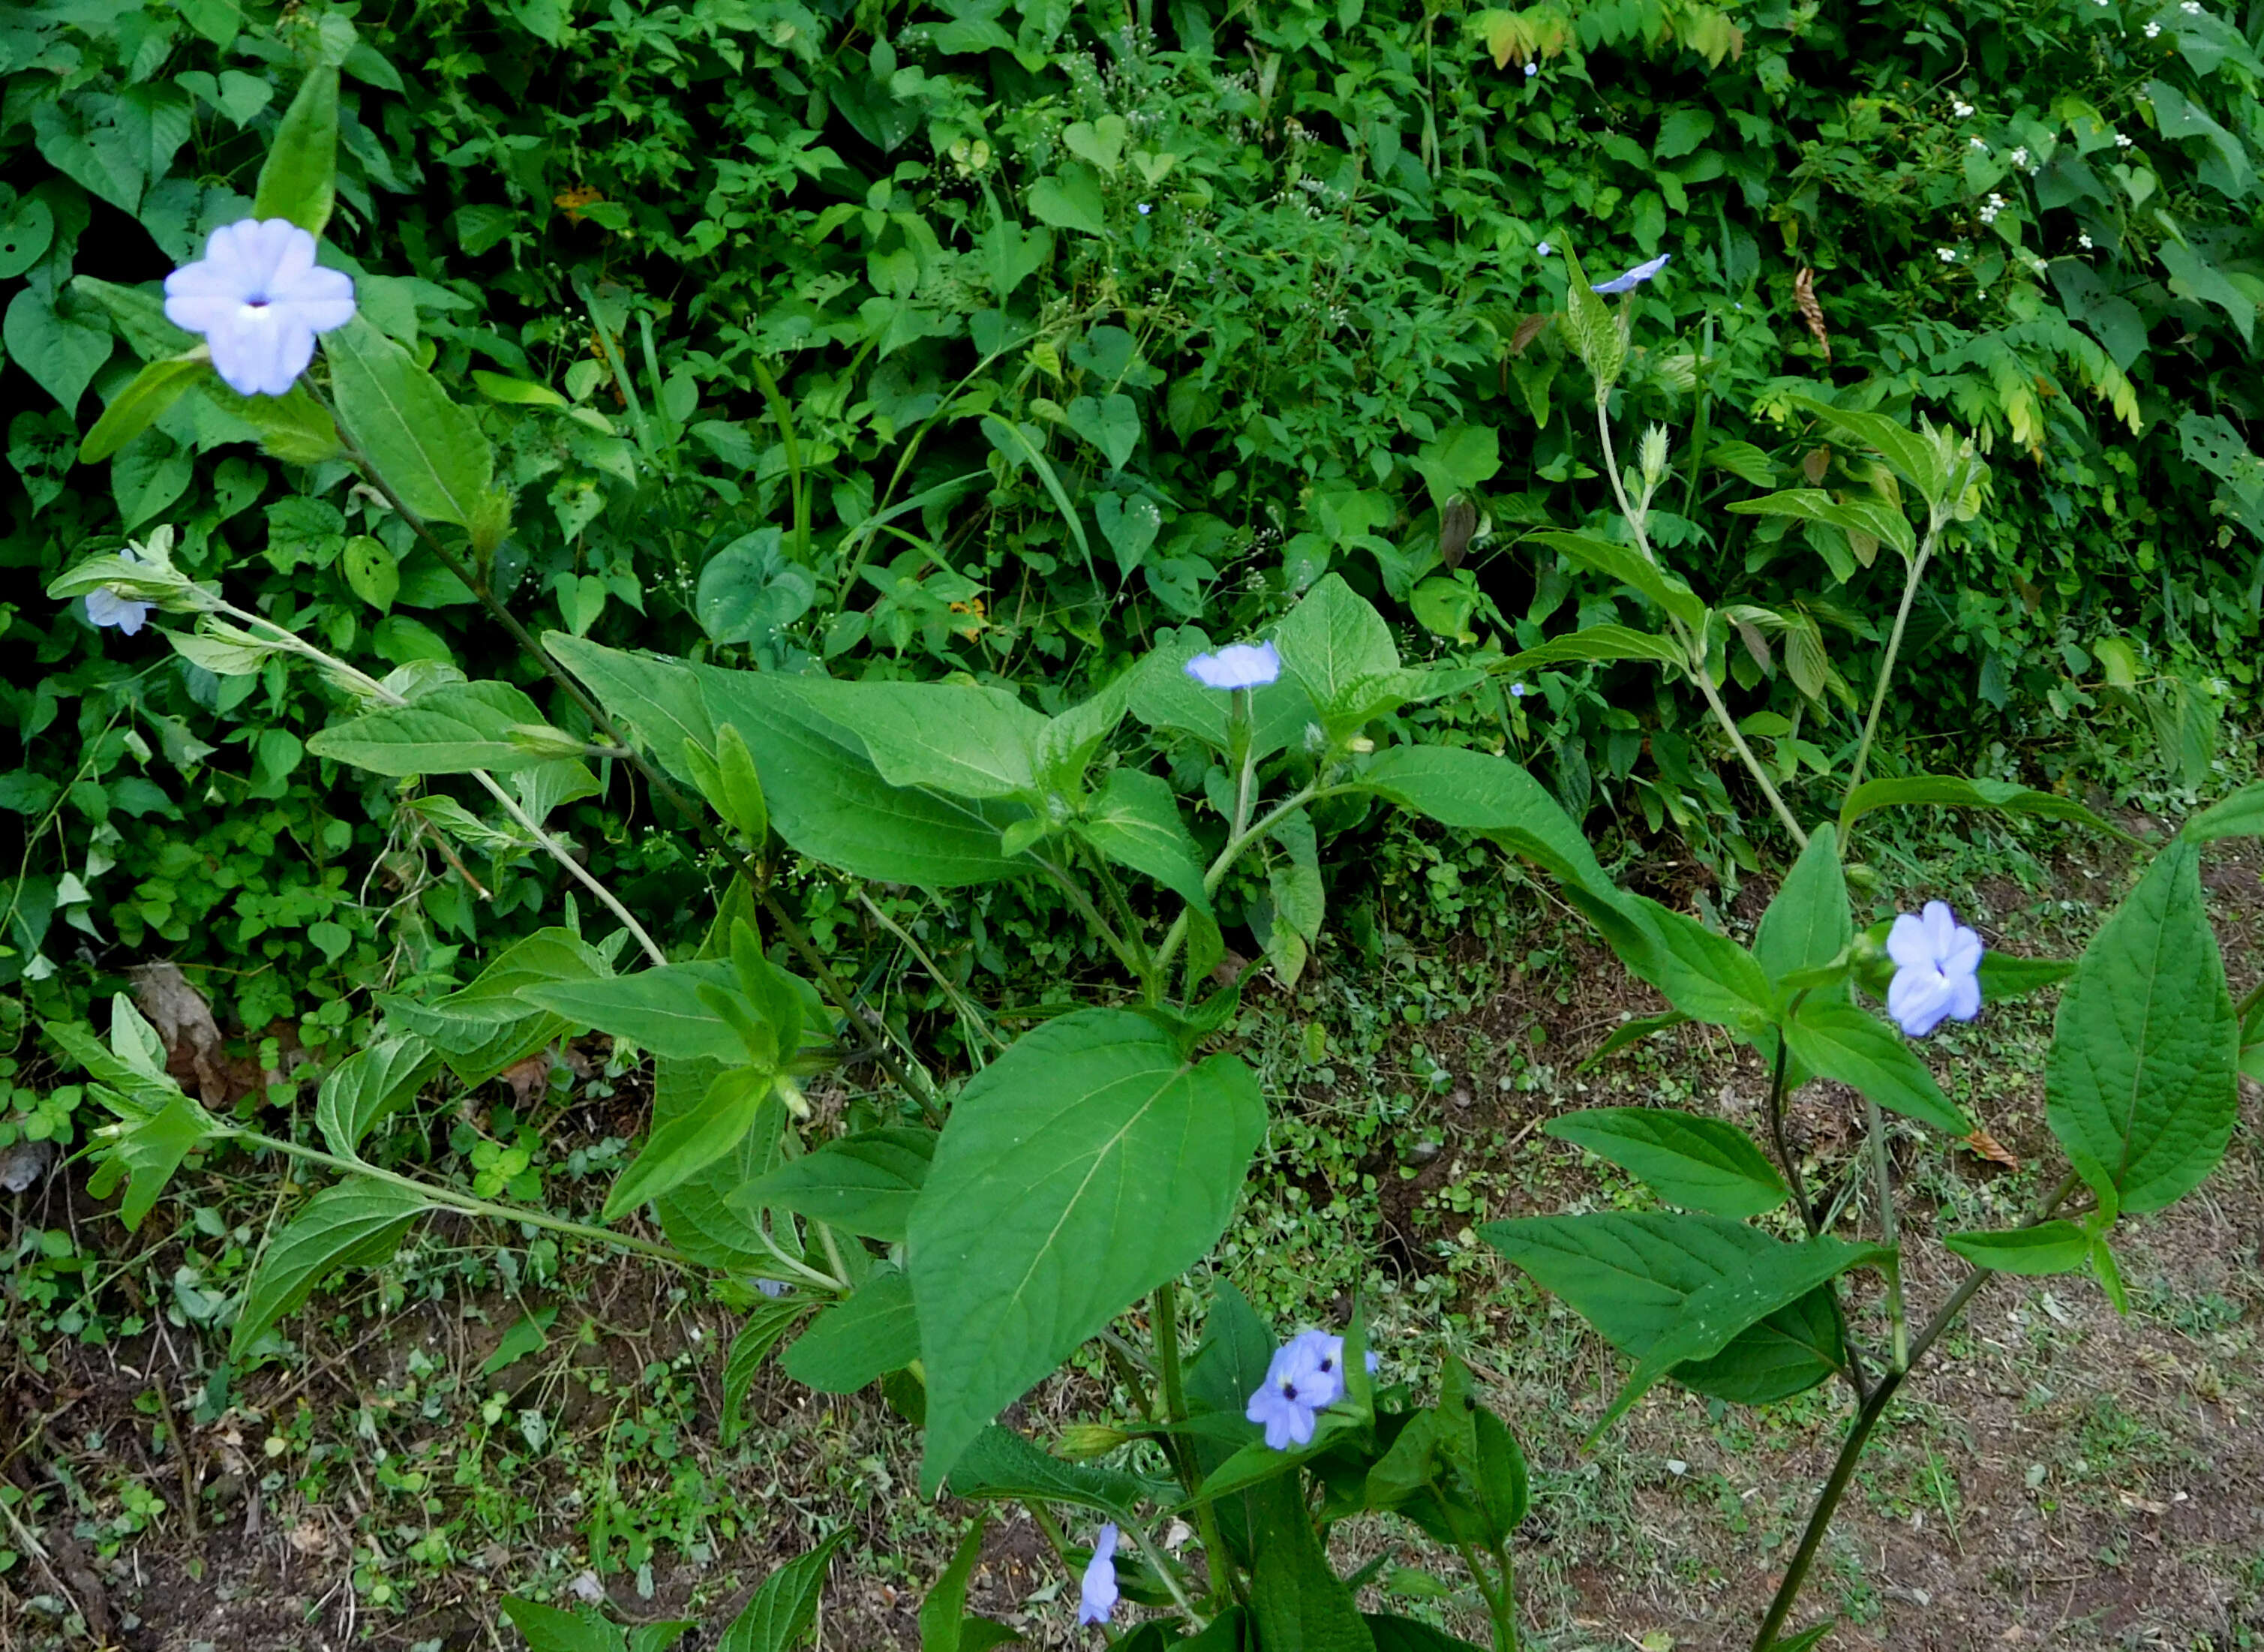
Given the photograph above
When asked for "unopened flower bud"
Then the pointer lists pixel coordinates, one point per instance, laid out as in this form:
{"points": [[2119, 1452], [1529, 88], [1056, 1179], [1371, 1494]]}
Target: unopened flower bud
{"points": [[545, 741], [1652, 455], [1082, 1442]]}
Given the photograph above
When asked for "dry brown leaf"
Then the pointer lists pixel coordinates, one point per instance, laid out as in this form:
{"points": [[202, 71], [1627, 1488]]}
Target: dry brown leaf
{"points": [[1815, 464], [2144, 1505], [529, 1078], [185, 1021], [1803, 294], [1992, 1150], [1456, 523], [1529, 329], [309, 1539]]}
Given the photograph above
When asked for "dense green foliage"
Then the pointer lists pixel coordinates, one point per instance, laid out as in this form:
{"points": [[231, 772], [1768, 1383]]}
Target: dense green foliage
{"points": [[1084, 330]]}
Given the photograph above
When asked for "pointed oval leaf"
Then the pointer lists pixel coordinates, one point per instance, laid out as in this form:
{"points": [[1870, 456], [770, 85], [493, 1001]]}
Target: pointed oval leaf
{"points": [[2239, 815], [451, 730], [2049, 1247], [298, 180], [781, 1614], [1960, 793], [1808, 924], [681, 1149], [1087, 1165], [353, 1224], [1878, 518], [153, 389], [859, 1340], [1699, 1163], [863, 1184], [1598, 644], [1838, 1041], [424, 445], [767, 1320], [1136, 823], [657, 1009], [366, 1087], [1630, 567], [1495, 798]]}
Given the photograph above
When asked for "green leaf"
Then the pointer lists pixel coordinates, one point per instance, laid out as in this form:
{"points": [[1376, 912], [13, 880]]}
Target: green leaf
{"points": [[1000, 1465], [955, 738], [1629, 567], [1875, 517], [1960, 793], [452, 729], [1597, 644], [767, 1320], [60, 349], [859, 1340], [1593, 330], [151, 1148], [298, 179], [1503, 1484], [1629, 1275], [1808, 924], [1298, 1602], [1084, 1167], [659, 699], [1806, 1641], [1136, 823], [2049, 1247], [1069, 199], [1635, 1031], [657, 1009], [862, 1184], [1332, 641], [2239, 815], [371, 571], [1697, 1163], [1111, 423], [550, 1629], [155, 388], [1706, 976], [366, 1087], [782, 1613], [1495, 798], [353, 1223], [2139, 1084], [1164, 696], [1405, 1634], [1014, 440], [1913, 456], [527, 1335], [2003, 976], [1838, 1041], [424, 447], [697, 1213], [485, 1027], [731, 783], [676, 1151], [1773, 1279], [830, 802], [944, 1611]]}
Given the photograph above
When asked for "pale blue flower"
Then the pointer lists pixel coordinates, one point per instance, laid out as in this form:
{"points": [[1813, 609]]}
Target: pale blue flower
{"points": [[258, 298], [1544, 249], [1519, 691], [1531, 69], [1937, 961], [106, 607], [1097, 1593], [1237, 665], [772, 1288], [1295, 1388], [1145, 209], [1633, 278]]}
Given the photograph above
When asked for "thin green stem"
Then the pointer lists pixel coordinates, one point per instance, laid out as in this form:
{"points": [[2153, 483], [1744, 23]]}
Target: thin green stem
{"points": [[1162, 1565], [1504, 1628], [1120, 905], [1894, 647], [1882, 1180], [1235, 844], [968, 1012], [1508, 1597], [2249, 1000], [1092, 915], [1784, 1154]]}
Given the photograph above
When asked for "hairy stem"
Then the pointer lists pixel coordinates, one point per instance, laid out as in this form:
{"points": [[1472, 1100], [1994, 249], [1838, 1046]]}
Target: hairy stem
{"points": [[1894, 647]]}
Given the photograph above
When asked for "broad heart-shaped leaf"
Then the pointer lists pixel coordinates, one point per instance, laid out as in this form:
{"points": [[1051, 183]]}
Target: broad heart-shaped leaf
{"points": [[860, 1340], [2049, 1247], [1629, 567], [1598, 643], [660, 699], [1840, 1041], [298, 180], [1110, 423], [1913, 456], [1136, 823], [1773, 1279], [862, 1184], [424, 445], [676, 1151], [1495, 798], [155, 388], [828, 802], [1808, 924], [1960, 793], [1085, 1166], [767, 1320], [1299, 1603], [1164, 696], [1332, 640], [452, 729], [779, 1615], [1069, 199], [657, 1009], [366, 1088], [1629, 1275], [1699, 1163], [353, 1223], [952, 737], [1881, 520], [2140, 1084], [2239, 815], [999, 1464]]}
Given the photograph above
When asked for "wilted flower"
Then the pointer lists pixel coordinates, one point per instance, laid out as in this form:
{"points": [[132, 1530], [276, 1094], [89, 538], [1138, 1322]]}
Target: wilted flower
{"points": [[1633, 278], [258, 298], [1097, 1592], [1237, 665], [1936, 963]]}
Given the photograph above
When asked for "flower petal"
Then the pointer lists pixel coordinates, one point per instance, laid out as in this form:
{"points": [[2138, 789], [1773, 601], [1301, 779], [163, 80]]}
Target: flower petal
{"points": [[1918, 999], [1940, 929], [1965, 997], [1907, 943]]}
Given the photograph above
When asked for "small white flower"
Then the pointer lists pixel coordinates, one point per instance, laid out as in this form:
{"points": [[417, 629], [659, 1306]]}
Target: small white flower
{"points": [[2123, 141], [1947, 255], [1960, 108], [1531, 69], [106, 607], [1145, 209], [259, 297], [2191, 8], [2084, 241], [1977, 145], [1544, 248], [2153, 30], [1237, 665], [2020, 156]]}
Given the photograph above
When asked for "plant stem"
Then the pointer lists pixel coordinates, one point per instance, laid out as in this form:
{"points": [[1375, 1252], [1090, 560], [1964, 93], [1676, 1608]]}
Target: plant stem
{"points": [[1866, 1418], [968, 1012], [1508, 1598], [1092, 915], [1235, 844], [1894, 647], [1691, 650], [1776, 1134], [1882, 1174], [1505, 1625]]}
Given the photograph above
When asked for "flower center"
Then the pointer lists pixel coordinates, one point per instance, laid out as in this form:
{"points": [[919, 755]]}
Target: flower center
{"points": [[1289, 1390]]}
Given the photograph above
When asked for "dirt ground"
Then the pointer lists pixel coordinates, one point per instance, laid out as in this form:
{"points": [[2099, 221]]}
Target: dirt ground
{"points": [[2064, 1477]]}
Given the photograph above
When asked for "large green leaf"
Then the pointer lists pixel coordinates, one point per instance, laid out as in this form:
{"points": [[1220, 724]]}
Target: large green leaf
{"points": [[2140, 1083], [1629, 567], [1706, 975], [1298, 1601], [1773, 1280], [1911, 454], [423, 444], [860, 1340], [1697, 1163], [1136, 823], [1405, 1634], [1878, 518], [1595, 333], [452, 729], [1088, 1165], [676, 1151], [2049, 1247], [1596, 644], [148, 1150], [863, 1184], [1332, 643], [1495, 798], [487, 1026], [999, 1464], [657, 1009], [366, 1087], [2239, 815], [1960, 793], [1809, 924], [957, 738], [155, 388], [828, 802], [1629, 1275], [1838, 1041], [697, 1214], [659, 699], [353, 1223], [767, 1320], [780, 1615], [298, 180]]}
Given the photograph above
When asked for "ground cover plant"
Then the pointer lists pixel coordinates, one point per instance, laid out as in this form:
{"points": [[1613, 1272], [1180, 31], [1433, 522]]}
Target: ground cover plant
{"points": [[1004, 1204]]}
